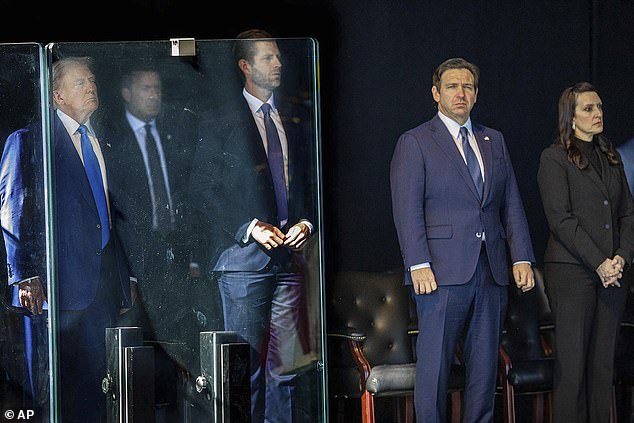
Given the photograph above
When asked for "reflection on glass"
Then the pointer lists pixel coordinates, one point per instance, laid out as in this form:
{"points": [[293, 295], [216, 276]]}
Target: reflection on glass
{"points": [[93, 282], [149, 157], [251, 179], [24, 315], [212, 226]]}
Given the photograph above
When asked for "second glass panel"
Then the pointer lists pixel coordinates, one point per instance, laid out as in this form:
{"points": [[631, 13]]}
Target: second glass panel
{"points": [[187, 202]]}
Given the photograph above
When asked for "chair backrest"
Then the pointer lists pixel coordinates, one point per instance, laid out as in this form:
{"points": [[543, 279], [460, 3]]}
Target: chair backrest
{"points": [[526, 312], [378, 305]]}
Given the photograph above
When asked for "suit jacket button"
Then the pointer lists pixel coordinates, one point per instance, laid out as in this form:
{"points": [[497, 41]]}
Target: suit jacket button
{"points": [[605, 202], [607, 226], [478, 234], [98, 226], [98, 251]]}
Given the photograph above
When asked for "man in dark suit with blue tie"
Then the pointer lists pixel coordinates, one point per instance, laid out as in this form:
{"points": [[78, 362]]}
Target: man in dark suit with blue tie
{"points": [[91, 280], [249, 180], [149, 159], [456, 208]]}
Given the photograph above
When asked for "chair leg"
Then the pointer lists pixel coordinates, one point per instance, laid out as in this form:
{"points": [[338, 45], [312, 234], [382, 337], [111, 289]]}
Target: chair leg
{"points": [[456, 406], [409, 409], [549, 407], [404, 409], [538, 408], [367, 407], [627, 403], [509, 403], [613, 418], [341, 407]]}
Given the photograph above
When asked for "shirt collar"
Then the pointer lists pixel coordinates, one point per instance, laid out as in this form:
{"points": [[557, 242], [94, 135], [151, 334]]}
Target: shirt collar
{"points": [[71, 125], [136, 123], [453, 126], [255, 103]]}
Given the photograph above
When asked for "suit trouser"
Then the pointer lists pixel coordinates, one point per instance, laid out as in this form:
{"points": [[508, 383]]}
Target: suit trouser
{"points": [[587, 318], [474, 312], [265, 309], [82, 350], [35, 381]]}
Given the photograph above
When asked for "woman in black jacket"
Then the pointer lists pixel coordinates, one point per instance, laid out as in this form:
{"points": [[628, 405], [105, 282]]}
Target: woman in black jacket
{"points": [[590, 214]]}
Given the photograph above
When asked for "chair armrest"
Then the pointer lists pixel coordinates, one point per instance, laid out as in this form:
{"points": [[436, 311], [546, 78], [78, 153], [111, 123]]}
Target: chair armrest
{"points": [[544, 330], [412, 329], [355, 340], [348, 333], [505, 362]]}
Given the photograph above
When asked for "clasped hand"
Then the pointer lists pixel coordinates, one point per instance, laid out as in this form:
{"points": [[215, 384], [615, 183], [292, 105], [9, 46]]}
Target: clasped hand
{"points": [[611, 270], [270, 236], [31, 295]]}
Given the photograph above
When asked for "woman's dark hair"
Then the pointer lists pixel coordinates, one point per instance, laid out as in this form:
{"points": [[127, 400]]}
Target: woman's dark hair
{"points": [[567, 105]]}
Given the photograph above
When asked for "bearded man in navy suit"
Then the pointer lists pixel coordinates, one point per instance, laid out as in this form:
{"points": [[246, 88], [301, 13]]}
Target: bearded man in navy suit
{"points": [[456, 209], [249, 178]]}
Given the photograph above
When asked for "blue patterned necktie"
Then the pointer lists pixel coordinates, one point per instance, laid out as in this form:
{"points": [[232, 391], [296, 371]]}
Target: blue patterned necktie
{"points": [[93, 172], [276, 163], [472, 161]]}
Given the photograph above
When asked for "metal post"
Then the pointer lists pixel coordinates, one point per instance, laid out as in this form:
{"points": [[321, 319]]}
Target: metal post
{"points": [[226, 376], [129, 382]]}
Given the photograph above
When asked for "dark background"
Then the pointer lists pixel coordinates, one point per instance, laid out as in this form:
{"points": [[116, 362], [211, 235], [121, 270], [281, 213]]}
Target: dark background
{"points": [[376, 61]]}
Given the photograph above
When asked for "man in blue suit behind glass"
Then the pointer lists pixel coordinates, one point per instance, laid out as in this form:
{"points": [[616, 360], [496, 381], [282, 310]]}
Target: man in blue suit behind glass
{"points": [[456, 207], [92, 279]]}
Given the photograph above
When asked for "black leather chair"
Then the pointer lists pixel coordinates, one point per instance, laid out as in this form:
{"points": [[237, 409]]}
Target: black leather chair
{"points": [[525, 361], [371, 334]]}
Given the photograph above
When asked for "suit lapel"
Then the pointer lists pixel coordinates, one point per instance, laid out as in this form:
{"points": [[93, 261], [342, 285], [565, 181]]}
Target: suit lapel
{"points": [[595, 177], [487, 159], [445, 141]]}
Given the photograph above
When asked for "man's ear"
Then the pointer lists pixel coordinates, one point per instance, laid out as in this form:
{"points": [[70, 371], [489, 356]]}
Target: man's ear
{"points": [[435, 93], [57, 97], [125, 93], [244, 66]]}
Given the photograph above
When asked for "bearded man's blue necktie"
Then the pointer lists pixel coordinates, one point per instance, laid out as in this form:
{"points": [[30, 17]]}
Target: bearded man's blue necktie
{"points": [[93, 172], [472, 161], [276, 164]]}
